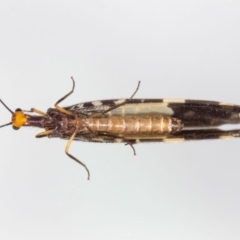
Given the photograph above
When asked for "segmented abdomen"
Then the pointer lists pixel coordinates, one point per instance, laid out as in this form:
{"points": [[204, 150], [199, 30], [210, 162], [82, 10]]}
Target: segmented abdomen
{"points": [[156, 124]]}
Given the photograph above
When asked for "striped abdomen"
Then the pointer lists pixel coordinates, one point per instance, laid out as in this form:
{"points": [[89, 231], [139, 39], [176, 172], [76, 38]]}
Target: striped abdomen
{"points": [[156, 124]]}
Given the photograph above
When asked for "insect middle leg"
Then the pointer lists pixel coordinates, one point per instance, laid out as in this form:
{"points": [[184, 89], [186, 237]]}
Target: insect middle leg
{"points": [[71, 156], [63, 98], [56, 104]]}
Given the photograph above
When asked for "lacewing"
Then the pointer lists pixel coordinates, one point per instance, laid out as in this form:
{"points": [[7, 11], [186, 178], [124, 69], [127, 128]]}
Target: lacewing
{"points": [[130, 121]]}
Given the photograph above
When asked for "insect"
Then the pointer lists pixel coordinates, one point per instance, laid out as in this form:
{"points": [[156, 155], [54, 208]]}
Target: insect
{"points": [[130, 121]]}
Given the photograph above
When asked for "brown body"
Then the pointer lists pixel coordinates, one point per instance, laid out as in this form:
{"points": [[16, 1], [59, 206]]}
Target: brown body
{"points": [[131, 121], [156, 124], [90, 128]]}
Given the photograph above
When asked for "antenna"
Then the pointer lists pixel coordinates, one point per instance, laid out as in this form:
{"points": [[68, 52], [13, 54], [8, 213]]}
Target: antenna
{"points": [[6, 107], [10, 123]]}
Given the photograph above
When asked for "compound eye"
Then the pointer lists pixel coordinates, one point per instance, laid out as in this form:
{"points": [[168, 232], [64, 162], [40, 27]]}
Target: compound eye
{"points": [[18, 110], [15, 128]]}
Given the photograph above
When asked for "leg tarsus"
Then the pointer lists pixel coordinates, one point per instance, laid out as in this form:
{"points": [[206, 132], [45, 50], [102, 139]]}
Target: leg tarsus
{"points": [[131, 145], [75, 159], [139, 82], [59, 108]]}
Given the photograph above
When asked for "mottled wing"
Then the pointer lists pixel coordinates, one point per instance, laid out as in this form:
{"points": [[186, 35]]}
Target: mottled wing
{"points": [[172, 137], [193, 113]]}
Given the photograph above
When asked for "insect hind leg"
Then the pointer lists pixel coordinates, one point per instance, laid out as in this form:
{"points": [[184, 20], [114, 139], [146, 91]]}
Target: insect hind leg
{"points": [[124, 102], [130, 143], [112, 138]]}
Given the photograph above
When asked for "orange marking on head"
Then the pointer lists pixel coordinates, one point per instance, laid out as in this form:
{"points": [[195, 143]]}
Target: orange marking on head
{"points": [[19, 119]]}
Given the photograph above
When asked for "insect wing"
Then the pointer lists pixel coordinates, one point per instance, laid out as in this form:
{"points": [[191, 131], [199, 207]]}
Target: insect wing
{"points": [[193, 113], [171, 137]]}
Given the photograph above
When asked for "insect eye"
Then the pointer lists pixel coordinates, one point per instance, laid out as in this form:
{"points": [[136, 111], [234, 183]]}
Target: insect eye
{"points": [[18, 110], [15, 128]]}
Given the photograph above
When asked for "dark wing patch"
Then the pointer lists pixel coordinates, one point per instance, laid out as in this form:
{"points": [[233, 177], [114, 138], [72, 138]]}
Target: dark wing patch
{"points": [[205, 113]]}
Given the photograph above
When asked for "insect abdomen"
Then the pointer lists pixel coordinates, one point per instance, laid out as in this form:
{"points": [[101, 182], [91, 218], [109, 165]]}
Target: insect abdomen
{"points": [[156, 124]]}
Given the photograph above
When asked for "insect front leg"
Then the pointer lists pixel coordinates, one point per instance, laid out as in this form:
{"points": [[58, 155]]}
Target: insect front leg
{"points": [[34, 110], [71, 156], [44, 134]]}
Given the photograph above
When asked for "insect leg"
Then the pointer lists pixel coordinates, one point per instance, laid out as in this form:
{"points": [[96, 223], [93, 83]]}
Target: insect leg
{"points": [[131, 145], [63, 98], [126, 101], [43, 134], [71, 156], [114, 137], [34, 110]]}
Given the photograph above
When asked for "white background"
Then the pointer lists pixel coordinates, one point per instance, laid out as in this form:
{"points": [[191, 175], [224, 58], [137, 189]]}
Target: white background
{"points": [[180, 49]]}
